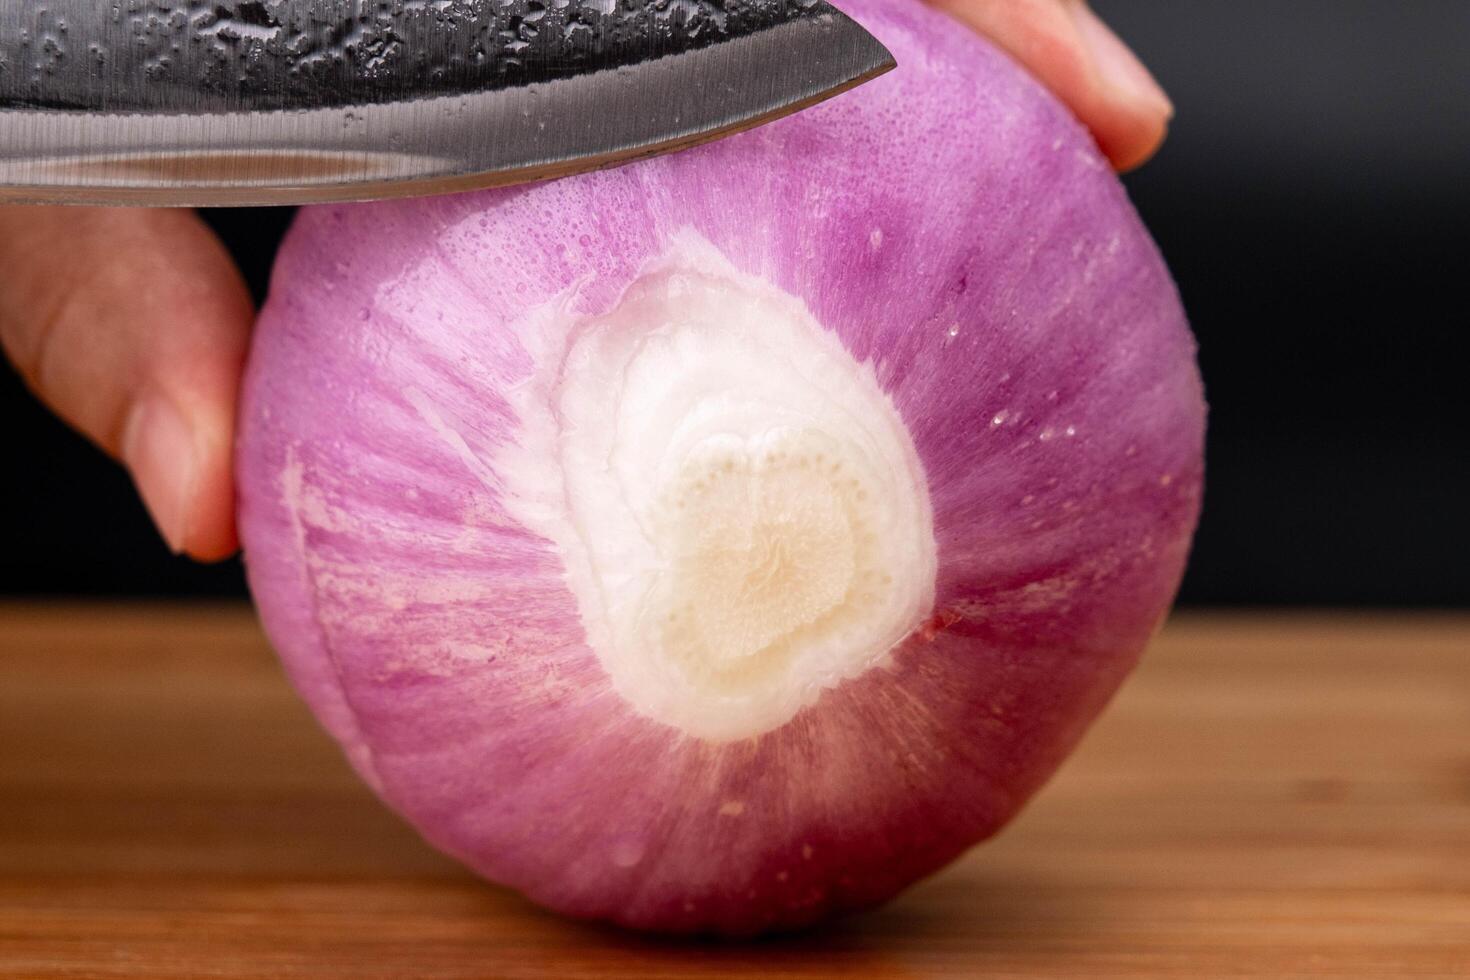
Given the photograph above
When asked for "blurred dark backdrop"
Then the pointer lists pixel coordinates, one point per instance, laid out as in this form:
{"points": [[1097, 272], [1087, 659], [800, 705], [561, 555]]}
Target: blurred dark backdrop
{"points": [[1313, 201]]}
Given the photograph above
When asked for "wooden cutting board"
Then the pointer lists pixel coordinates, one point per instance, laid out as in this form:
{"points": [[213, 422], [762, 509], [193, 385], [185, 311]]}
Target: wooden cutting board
{"points": [[1272, 795]]}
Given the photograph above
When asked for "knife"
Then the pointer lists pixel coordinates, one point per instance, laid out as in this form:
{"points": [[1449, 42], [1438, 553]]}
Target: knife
{"points": [[243, 102]]}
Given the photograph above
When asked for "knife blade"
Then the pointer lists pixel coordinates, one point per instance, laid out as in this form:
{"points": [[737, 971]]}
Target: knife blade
{"points": [[242, 102]]}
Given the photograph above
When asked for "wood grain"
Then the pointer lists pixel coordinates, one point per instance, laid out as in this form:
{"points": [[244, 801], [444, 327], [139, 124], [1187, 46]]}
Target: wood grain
{"points": [[1272, 795]]}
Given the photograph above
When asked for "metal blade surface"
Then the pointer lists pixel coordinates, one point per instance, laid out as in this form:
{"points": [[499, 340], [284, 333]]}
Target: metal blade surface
{"points": [[287, 102]]}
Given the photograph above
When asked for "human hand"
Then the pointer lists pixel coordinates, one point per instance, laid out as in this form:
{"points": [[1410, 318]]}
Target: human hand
{"points": [[1073, 53], [132, 325]]}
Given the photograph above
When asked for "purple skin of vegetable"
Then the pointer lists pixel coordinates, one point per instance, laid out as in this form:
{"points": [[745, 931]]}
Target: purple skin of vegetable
{"points": [[458, 418]]}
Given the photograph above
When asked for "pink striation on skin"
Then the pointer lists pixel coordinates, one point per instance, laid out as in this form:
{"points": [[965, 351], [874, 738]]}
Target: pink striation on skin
{"points": [[955, 226]]}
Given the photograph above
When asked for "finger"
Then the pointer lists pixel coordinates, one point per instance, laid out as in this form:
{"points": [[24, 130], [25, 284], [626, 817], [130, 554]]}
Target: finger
{"points": [[132, 325], [1076, 55]]}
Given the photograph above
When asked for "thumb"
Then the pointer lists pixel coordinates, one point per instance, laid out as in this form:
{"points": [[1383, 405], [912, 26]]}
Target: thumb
{"points": [[1076, 55], [132, 326]]}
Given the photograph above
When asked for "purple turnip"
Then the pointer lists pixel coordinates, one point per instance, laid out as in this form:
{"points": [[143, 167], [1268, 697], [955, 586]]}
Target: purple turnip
{"points": [[727, 540]]}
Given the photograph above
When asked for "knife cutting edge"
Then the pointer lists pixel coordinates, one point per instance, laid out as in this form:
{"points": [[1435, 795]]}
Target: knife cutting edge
{"points": [[177, 102]]}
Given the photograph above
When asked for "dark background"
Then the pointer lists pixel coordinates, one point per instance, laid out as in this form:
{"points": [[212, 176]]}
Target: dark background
{"points": [[1313, 201]]}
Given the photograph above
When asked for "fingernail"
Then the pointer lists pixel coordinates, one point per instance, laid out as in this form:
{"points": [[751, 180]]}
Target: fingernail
{"points": [[158, 448], [1118, 66]]}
